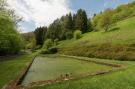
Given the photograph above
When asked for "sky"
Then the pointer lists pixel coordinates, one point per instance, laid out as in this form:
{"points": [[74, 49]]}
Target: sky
{"points": [[36, 13]]}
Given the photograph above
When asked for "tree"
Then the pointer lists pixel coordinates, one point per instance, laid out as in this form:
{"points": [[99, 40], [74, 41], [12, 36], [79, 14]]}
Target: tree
{"points": [[40, 34], [90, 25], [106, 20], [69, 22], [96, 21], [69, 35], [74, 19], [81, 21], [10, 40], [54, 31], [2, 5]]}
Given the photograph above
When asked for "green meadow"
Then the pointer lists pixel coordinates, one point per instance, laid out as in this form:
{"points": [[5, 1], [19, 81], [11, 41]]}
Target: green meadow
{"points": [[120, 33]]}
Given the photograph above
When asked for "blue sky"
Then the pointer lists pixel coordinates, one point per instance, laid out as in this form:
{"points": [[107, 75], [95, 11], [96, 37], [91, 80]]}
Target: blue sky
{"points": [[95, 6], [46, 11]]}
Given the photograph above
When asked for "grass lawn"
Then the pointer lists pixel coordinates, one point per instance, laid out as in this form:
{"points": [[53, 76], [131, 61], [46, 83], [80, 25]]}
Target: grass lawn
{"points": [[123, 79], [11, 67], [52, 67]]}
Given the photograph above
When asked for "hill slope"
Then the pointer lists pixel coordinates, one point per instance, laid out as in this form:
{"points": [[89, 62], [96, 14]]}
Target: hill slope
{"points": [[122, 33], [117, 43]]}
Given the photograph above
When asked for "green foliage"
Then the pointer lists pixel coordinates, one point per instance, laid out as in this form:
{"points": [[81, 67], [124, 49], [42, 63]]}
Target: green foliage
{"points": [[69, 22], [61, 28], [81, 21], [69, 35], [90, 27], [77, 34], [56, 42], [51, 50], [111, 16], [32, 45], [10, 39], [48, 44], [55, 31], [64, 27], [106, 19], [40, 34]]}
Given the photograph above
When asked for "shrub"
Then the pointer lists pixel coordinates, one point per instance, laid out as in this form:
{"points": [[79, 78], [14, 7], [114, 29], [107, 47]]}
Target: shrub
{"points": [[48, 44], [48, 47], [77, 34], [44, 51], [38, 47], [52, 50], [56, 42]]}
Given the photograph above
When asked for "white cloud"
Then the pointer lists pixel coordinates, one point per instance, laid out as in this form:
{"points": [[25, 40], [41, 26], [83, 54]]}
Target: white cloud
{"points": [[42, 12]]}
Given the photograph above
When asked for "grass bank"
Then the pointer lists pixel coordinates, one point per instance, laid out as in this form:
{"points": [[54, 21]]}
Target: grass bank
{"points": [[118, 43], [12, 66]]}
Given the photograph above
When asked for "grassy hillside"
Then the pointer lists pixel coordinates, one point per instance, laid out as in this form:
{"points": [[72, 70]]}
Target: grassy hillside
{"points": [[122, 32], [117, 43]]}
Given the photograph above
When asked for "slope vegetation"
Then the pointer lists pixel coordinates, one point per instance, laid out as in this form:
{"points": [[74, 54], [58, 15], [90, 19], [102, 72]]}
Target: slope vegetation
{"points": [[117, 43]]}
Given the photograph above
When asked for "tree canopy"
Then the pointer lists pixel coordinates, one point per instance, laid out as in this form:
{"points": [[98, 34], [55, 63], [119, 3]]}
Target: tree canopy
{"points": [[10, 39]]}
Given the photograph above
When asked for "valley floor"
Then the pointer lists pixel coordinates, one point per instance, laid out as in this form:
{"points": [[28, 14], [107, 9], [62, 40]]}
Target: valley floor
{"points": [[123, 79]]}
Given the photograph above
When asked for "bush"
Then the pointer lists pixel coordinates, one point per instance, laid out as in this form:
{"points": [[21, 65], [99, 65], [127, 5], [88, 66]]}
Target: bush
{"points": [[37, 47], [52, 50], [48, 47], [44, 51], [48, 44], [77, 34], [56, 42], [32, 45]]}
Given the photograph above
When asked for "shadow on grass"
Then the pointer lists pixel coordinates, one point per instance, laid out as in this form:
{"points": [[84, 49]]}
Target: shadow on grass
{"points": [[113, 29]]}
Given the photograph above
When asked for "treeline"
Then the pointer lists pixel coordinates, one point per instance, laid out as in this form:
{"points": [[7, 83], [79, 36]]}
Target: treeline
{"points": [[109, 17], [64, 28], [10, 39]]}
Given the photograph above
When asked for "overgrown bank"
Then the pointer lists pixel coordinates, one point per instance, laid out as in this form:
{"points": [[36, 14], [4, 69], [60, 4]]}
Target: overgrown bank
{"points": [[104, 51]]}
